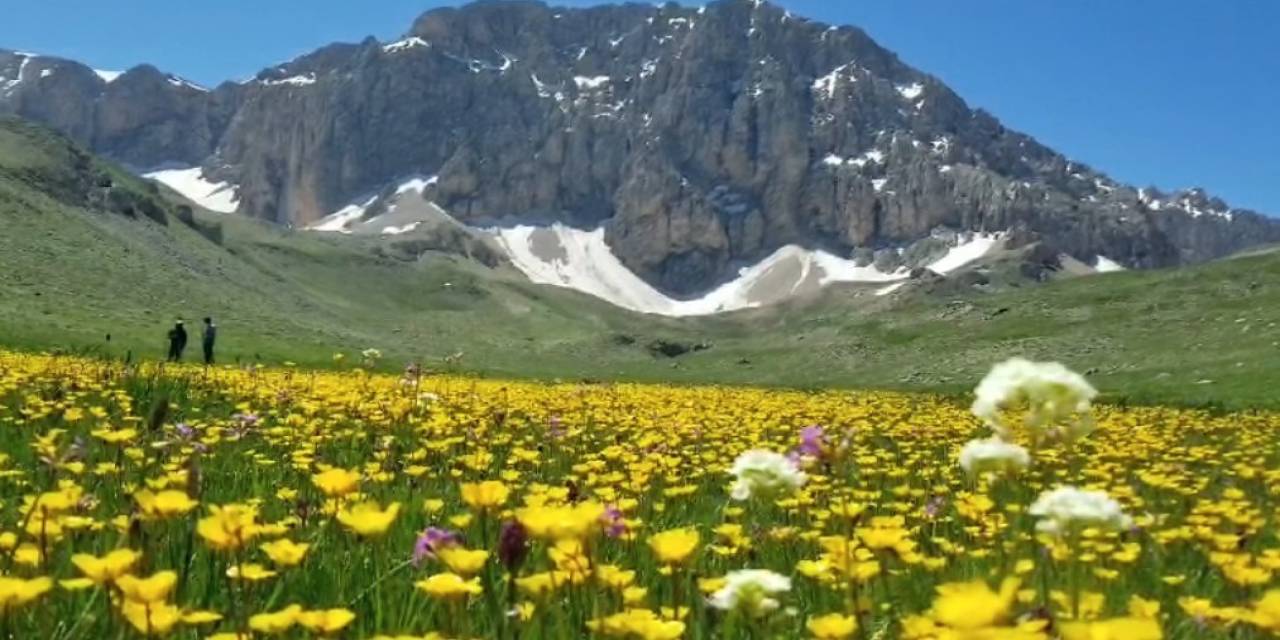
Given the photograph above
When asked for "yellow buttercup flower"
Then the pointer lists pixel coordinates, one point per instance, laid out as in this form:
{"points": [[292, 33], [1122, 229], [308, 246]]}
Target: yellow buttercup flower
{"points": [[107, 568], [285, 552], [369, 519], [449, 586], [336, 482], [228, 527], [674, 546], [489, 495], [277, 621], [462, 561], [152, 589], [832, 626], [151, 618], [17, 592], [163, 505], [555, 523], [1114, 629], [250, 572], [326, 622], [973, 605]]}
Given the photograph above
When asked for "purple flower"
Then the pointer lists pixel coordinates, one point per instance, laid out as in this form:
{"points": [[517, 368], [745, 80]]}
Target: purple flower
{"points": [[614, 525], [432, 540], [513, 545], [934, 507], [185, 431], [811, 441], [246, 420]]}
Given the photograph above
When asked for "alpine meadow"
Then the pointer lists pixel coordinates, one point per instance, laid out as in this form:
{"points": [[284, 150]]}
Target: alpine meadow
{"points": [[624, 321]]}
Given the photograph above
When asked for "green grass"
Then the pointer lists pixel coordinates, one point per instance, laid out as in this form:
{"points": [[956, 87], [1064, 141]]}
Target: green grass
{"points": [[70, 275]]}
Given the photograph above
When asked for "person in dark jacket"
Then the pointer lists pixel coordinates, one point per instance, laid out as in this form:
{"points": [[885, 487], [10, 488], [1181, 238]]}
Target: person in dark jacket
{"points": [[209, 336], [177, 342]]}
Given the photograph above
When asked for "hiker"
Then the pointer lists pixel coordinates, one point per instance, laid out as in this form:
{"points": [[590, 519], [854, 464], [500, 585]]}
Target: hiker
{"points": [[208, 337], [177, 342]]}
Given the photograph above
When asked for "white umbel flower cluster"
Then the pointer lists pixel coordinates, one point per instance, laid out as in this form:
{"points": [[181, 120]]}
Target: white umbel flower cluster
{"points": [[1066, 510], [764, 474], [1056, 399], [994, 456], [750, 591]]}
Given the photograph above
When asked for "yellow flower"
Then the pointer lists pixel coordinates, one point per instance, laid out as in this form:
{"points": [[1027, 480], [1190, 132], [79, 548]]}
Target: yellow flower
{"points": [[250, 572], [1266, 611], [16, 592], [1140, 607], [489, 495], [637, 623], [151, 618], [556, 523], [540, 584], [228, 527], [336, 482], [368, 519], [277, 621], [107, 568], [114, 436], [1114, 629], [154, 588], [832, 626], [449, 586], [326, 622], [463, 561], [433, 505], [973, 605], [165, 504], [285, 552], [674, 546]]}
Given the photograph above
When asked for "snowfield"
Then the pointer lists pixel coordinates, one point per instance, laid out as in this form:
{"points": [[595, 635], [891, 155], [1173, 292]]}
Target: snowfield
{"points": [[562, 256], [191, 183]]}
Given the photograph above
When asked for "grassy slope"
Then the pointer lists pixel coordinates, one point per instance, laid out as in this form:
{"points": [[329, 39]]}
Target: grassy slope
{"points": [[1205, 335], [69, 276]]}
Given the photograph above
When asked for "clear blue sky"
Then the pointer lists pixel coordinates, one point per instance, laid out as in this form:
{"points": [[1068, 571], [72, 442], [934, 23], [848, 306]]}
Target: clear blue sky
{"points": [[1174, 93]]}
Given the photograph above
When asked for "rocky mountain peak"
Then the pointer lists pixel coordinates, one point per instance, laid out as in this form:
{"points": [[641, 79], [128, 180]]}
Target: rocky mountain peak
{"points": [[700, 139]]}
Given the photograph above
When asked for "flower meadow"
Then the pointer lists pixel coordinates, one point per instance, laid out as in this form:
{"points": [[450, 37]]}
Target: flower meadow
{"points": [[172, 501]]}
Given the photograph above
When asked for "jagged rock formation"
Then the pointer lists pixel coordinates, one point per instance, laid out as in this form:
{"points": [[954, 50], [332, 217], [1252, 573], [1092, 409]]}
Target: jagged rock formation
{"points": [[703, 138]]}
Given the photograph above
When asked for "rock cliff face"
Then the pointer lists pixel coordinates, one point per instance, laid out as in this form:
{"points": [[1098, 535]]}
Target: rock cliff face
{"points": [[702, 138]]}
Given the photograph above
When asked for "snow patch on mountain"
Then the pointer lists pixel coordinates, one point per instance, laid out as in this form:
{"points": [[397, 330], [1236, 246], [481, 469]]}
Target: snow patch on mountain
{"points": [[563, 256], [911, 91], [591, 83], [1104, 264], [297, 81], [405, 44], [183, 82], [194, 186], [395, 219]]}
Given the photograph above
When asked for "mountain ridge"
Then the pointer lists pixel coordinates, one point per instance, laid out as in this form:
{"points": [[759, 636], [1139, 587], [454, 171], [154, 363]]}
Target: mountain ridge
{"points": [[699, 138]]}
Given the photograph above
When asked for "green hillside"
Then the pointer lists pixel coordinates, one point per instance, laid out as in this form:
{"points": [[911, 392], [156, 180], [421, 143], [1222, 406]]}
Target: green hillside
{"points": [[80, 260]]}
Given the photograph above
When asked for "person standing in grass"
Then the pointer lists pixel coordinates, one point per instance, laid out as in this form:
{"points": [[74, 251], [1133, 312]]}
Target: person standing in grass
{"points": [[177, 342], [208, 337]]}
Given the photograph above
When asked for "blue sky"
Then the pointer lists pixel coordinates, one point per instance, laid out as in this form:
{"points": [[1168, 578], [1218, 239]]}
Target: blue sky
{"points": [[1174, 93]]}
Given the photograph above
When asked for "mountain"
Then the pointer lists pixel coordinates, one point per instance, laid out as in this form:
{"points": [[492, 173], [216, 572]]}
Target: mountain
{"points": [[698, 141], [95, 260]]}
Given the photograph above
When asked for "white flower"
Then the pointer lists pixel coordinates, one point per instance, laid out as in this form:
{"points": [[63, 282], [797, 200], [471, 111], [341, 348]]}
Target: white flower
{"points": [[750, 591], [1068, 509], [993, 455], [1057, 400], [764, 473]]}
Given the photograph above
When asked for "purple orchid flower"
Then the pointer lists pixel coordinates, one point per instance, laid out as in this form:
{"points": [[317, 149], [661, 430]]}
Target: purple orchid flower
{"points": [[432, 540], [614, 524]]}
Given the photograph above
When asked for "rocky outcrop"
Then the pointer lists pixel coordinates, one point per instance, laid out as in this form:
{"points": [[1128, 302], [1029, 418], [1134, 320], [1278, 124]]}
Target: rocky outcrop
{"points": [[703, 138]]}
